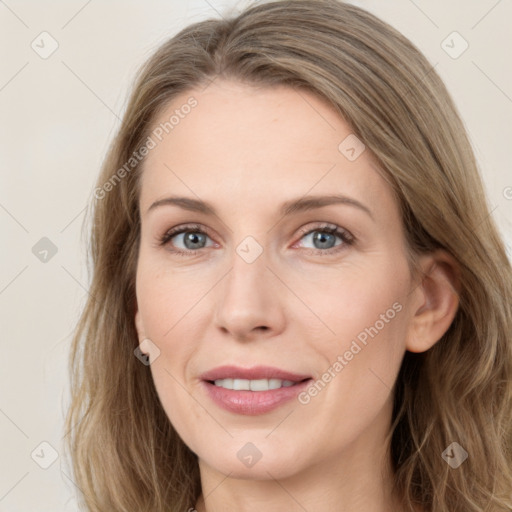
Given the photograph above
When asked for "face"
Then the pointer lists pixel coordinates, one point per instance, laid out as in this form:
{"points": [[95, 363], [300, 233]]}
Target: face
{"points": [[321, 292]]}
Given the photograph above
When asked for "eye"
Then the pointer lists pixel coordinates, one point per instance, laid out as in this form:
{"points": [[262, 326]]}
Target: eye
{"points": [[324, 237], [194, 237]]}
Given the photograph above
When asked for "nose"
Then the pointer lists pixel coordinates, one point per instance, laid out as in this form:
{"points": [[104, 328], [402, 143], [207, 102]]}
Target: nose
{"points": [[248, 300]]}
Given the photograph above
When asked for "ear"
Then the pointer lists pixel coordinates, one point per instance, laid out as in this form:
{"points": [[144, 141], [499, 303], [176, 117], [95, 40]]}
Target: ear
{"points": [[436, 301], [139, 325]]}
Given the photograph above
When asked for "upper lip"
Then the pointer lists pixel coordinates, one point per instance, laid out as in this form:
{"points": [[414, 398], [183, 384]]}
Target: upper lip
{"points": [[254, 373]]}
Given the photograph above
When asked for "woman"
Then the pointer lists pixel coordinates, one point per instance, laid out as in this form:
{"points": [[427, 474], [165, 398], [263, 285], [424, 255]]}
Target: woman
{"points": [[299, 300]]}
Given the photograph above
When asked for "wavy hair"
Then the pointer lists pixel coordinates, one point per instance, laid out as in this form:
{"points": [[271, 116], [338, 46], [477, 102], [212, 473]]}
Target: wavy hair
{"points": [[125, 454]]}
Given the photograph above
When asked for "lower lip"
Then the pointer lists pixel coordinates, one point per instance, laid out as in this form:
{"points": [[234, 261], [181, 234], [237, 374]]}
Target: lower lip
{"points": [[252, 403]]}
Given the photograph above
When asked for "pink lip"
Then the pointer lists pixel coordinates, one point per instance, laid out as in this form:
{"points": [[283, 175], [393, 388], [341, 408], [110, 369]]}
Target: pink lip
{"points": [[252, 403]]}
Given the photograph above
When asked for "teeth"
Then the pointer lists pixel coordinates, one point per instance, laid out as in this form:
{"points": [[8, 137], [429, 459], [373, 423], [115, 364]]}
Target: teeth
{"points": [[253, 385]]}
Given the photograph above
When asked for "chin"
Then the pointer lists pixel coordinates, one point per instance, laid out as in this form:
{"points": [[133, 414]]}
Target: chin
{"points": [[250, 463]]}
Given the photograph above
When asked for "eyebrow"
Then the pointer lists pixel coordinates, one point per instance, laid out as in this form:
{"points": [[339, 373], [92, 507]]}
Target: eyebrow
{"points": [[287, 208]]}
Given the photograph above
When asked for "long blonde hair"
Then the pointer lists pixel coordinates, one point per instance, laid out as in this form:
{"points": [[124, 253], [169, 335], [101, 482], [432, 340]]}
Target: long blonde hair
{"points": [[126, 456]]}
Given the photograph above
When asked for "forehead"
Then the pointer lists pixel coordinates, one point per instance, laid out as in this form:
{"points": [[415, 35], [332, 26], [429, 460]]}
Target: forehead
{"points": [[243, 143]]}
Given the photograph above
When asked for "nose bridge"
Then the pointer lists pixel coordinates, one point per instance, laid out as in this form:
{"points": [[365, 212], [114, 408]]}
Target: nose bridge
{"points": [[248, 298], [248, 277]]}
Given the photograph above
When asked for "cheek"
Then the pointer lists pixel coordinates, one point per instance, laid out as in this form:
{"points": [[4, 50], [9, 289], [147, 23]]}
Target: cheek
{"points": [[167, 301], [164, 311], [363, 299], [352, 392], [367, 311], [165, 297]]}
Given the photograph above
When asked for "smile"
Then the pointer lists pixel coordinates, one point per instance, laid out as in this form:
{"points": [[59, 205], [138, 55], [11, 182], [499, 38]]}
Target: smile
{"points": [[253, 385]]}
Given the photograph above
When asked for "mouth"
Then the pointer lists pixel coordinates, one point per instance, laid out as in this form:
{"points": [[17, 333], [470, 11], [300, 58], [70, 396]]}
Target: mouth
{"points": [[252, 391]]}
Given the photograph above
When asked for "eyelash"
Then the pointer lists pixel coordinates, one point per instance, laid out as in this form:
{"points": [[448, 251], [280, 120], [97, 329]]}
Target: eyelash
{"points": [[347, 238]]}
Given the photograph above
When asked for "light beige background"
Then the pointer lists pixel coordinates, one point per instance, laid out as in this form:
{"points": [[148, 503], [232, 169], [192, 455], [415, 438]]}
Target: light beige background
{"points": [[58, 115]]}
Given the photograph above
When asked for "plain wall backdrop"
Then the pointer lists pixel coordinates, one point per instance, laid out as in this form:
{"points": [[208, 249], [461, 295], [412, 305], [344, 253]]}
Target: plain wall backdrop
{"points": [[65, 72]]}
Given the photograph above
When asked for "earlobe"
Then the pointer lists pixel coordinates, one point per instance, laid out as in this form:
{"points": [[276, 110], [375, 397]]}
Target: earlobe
{"points": [[438, 302]]}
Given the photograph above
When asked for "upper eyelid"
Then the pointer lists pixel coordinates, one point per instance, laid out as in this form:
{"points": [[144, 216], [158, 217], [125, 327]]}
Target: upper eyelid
{"points": [[322, 226]]}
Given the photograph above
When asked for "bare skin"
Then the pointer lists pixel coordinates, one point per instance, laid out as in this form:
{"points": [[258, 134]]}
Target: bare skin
{"points": [[298, 306]]}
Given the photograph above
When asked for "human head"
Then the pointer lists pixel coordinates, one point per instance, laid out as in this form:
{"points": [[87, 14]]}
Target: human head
{"points": [[402, 113]]}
